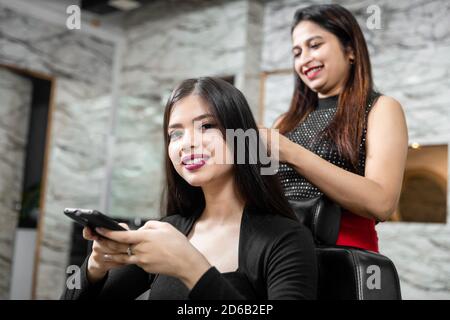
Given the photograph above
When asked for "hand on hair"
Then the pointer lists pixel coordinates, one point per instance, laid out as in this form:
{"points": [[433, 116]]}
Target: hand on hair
{"points": [[277, 144]]}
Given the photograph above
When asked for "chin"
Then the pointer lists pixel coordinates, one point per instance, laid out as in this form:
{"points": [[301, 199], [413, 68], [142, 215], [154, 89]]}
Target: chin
{"points": [[317, 86], [313, 89], [195, 179], [196, 183], [313, 86]]}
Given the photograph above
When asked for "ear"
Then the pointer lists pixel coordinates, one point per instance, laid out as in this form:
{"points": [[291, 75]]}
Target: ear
{"points": [[350, 55]]}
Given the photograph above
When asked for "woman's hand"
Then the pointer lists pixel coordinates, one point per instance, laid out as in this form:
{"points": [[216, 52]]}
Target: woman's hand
{"points": [[100, 262], [158, 247], [277, 144]]}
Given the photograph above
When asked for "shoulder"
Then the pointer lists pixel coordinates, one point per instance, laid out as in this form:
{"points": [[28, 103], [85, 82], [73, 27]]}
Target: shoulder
{"points": [[276, 242], [272, 228], [386, 112], [277, 223], [386, 123], [178, 221], [174, 218], [385, 106]]}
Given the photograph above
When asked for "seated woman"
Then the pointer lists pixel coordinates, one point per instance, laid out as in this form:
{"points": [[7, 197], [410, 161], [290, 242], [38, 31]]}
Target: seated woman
{"points": [[228, 233]]}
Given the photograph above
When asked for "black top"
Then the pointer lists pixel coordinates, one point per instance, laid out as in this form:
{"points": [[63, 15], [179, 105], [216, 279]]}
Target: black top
{"points": [[276, 261], [309, 135]]}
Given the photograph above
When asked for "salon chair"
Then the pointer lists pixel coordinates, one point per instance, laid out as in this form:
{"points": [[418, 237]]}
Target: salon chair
{"points": [[345, 273]]}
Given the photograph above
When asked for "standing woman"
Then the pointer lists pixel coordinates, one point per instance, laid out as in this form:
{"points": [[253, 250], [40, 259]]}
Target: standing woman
{"points": [[340, 137]]}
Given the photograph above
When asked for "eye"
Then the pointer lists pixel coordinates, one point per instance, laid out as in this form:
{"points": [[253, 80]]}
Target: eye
{"points": [[297, 53], [174, 135], [207, 126], [315, 45]]}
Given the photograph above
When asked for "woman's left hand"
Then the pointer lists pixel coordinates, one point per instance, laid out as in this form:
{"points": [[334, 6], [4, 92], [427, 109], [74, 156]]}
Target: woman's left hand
{"points": [[277, 143], [158, 247]]}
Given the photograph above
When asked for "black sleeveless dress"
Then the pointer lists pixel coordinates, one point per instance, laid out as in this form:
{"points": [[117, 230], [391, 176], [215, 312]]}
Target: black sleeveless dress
{"points": [[308, 135], [354, 230]]}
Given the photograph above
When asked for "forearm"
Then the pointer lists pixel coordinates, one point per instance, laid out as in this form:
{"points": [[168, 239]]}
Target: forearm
{"points": [[205, 281], [213, 286], [356, 193], [193, 268]]}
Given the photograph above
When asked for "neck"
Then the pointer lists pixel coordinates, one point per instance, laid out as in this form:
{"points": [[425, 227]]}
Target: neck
{"points": [[222, 203], [333, 91], [329, 93]]}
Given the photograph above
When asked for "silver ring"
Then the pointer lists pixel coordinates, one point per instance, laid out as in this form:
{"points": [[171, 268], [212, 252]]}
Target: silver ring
{"points": [[129, 252]]}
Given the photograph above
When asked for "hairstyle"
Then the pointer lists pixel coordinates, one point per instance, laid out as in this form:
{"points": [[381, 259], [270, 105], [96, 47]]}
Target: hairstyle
{"points": [[345, 130], [230, 109]]}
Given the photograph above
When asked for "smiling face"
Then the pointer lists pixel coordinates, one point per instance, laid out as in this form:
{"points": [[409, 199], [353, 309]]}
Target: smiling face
{"points": [[319, 59], [196, 145]]}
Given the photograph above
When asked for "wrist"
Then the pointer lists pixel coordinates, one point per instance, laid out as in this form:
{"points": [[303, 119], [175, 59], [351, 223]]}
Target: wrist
{"points": [[193, 269], [295, 156], [94, 274], [287, 151]]}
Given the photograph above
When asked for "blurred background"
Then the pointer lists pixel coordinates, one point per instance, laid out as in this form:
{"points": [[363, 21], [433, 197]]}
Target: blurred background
{"points": [[81, 116]]}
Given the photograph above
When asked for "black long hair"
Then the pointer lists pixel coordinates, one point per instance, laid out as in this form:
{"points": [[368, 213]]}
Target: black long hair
{"points": [[231, 111]]}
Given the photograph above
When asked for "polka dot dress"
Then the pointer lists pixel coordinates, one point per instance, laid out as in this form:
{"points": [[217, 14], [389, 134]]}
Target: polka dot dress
{"points": [[308, 135]]}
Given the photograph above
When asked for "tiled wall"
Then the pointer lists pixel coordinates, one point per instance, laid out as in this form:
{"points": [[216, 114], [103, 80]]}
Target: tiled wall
{"points": [[82, 66], [15, 97]]}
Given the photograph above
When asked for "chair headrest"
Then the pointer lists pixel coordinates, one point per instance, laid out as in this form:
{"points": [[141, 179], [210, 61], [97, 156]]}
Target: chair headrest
{"points": [[321, 215]]}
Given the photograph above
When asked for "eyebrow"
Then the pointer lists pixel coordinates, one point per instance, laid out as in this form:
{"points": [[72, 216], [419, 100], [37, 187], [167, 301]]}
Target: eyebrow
{"points": [[201, 117], [308, 40]]}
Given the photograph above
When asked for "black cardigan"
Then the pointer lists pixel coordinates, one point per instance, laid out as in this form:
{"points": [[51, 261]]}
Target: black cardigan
{"points": [[276, 257]]}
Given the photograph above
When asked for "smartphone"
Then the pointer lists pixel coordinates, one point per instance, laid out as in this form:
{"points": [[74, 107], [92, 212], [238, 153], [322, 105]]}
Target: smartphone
{"points": [[93, 219]]}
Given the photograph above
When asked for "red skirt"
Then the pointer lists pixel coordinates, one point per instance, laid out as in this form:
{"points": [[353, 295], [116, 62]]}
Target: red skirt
{"points": [[357, 231]]}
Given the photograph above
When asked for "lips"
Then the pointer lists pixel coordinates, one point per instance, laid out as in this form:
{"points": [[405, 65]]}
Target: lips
{"points": [[194, 161], [313, 71]]}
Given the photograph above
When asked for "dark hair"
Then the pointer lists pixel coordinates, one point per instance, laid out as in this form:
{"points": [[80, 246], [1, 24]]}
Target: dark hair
{"points": [[346, 128], [231, 111]]}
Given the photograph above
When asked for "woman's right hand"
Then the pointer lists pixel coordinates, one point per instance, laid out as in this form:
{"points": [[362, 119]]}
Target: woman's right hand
{"points": [[100, 261]]}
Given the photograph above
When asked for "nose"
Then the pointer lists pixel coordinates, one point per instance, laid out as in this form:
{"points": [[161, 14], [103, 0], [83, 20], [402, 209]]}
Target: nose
{"points": [[191, 140], [304, 59]]}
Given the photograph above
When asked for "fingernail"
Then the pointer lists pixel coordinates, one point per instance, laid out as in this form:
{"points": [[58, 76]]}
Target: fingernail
{"points": [[99, 230], [107, 257]]}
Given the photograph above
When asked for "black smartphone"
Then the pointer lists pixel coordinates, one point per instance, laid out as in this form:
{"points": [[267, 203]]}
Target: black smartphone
{"points": [[93, 219]]}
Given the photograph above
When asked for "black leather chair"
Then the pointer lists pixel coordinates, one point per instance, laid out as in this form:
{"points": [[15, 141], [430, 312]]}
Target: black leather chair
{"points": [[345, 273]]}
